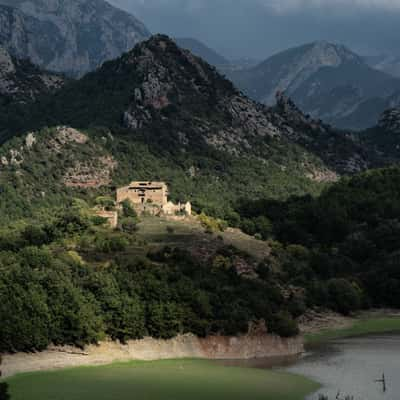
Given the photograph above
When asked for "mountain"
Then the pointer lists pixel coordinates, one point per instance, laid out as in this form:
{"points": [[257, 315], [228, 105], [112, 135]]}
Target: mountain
{"points": [[199, 49], [74, 36], [325, 80], [388, 64], [21, 81], [160, 112]]}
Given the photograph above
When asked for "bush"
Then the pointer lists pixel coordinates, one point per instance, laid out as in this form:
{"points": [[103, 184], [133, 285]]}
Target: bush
{"points": [[111, 244], [344, 296], [170, 229], [128, 210], [129, 225], [211, 224], [4, 395], [284, 325], [106, 202]]}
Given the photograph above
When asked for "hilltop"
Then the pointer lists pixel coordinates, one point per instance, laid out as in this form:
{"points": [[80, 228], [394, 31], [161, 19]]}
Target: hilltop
{"points": [[162, 113]]}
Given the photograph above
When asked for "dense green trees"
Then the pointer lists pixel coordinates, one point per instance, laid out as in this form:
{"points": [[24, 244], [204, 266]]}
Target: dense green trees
{"points": [[49, 294], [347, 240]]}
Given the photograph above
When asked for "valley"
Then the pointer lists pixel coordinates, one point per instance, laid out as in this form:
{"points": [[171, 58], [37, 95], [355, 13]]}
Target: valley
{"points": [[160, 201]]}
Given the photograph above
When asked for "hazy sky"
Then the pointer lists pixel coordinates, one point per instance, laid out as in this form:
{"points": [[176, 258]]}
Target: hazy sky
{"points": [[258, 28]]}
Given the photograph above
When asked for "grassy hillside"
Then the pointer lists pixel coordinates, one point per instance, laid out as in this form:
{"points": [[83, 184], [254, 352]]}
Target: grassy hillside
{"points": [[56, 167], [163, 380]]}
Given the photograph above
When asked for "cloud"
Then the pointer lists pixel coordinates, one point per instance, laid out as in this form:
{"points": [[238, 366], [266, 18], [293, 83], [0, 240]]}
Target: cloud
{"points": [[285, 6], [259, 28]]}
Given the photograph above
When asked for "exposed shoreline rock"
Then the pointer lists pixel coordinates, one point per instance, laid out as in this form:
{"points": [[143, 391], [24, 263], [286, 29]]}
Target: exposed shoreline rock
{"points": [[149, 349]]}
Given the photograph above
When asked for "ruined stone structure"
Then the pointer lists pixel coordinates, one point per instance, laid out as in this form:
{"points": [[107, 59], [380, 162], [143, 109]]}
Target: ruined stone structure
{"points": [[151, 197], [110, 216], [144, 192]]}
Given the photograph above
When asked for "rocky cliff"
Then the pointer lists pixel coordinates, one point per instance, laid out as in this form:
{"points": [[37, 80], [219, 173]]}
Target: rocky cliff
{"points": [[71, 36], [186, 346], [21, 81]]}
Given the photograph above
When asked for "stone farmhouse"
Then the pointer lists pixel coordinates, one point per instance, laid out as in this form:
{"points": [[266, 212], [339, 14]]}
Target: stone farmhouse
{"points": [[151, 197]]}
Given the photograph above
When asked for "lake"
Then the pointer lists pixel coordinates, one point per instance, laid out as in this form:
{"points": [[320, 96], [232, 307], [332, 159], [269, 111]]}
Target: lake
{"points": [[349, 366]]}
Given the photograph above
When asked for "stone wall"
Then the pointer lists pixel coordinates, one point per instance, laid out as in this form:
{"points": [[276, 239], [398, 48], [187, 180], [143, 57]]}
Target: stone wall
{"points": [[110, 216], [185, 346]]}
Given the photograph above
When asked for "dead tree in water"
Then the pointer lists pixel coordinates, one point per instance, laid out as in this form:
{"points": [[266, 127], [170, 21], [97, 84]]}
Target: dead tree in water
{"points": [[383, 381], [323, 397]]}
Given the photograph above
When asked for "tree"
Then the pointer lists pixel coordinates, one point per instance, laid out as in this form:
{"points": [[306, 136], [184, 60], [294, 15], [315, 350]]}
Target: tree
{"points": [[344, 296], [128, 209], [106, 202]]}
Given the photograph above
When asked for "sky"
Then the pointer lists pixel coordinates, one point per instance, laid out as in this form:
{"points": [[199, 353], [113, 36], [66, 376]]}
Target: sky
{"points": [[260, 28]]}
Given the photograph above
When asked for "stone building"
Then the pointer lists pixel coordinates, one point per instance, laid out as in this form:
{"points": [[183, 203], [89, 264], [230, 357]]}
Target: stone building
{"points": [[144, 193], [151, 197]]}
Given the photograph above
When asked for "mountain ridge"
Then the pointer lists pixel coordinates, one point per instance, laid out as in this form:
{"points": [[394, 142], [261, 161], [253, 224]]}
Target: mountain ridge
{"points": [[326, 80], [73, 37], [21, 81], [203, 51]]}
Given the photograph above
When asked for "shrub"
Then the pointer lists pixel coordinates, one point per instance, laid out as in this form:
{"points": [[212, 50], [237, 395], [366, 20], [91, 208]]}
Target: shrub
{"points": [[128, 209], [284, 325], [344, 296], [4, 395], [170, 229], [212, 224], [106, 202], [129, 225], [111, 244]]}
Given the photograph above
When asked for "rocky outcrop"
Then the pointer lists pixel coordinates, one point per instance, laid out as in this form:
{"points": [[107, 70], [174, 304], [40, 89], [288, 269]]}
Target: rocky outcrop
{"points": [[86, 164], [92, 173], [166, 97], [338, 149], [390, 121], [74, 36], [21, 81], [186, 346]]}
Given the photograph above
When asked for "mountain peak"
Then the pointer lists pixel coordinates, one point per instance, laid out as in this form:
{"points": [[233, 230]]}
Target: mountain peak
{"points": [[330, 54]]}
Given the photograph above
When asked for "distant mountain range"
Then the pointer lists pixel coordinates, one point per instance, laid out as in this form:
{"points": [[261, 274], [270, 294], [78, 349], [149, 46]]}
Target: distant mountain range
{"points": [[203, 51], [385, 63], [325, 80], [74, 36], [175, 102], [215, 59]]}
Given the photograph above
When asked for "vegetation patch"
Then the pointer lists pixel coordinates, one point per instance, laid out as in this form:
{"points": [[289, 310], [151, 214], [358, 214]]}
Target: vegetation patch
{"points": [[362, 326]]}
